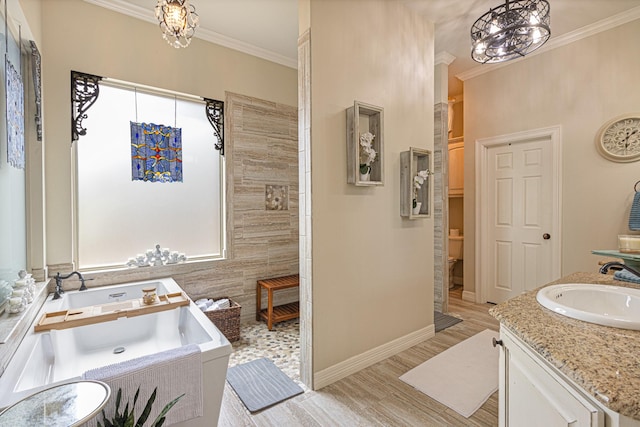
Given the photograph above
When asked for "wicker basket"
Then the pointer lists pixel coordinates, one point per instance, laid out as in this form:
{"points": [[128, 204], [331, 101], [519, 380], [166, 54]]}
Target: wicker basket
{"points": [[227, 319]]}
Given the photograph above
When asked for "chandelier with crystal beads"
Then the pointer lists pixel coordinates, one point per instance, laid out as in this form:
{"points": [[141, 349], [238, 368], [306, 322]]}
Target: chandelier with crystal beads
{"points": [[178, 21]]}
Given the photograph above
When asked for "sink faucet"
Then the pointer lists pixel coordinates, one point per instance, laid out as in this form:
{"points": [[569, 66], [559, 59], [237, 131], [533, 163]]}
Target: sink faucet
{"points": [[620, 266], [59, 291]]}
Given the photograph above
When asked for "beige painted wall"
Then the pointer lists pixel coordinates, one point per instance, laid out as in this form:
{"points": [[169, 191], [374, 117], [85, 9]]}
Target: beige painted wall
{"points": [[32, 10], [579, 87], [102, 42], [372, 270]]}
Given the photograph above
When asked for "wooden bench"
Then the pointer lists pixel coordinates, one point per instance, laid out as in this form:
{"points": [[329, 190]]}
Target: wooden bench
{"points": [[282, 312]]}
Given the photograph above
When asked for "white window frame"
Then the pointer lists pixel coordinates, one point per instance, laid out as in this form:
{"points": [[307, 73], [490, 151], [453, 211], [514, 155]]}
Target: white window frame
{"points": [[75, 190]]}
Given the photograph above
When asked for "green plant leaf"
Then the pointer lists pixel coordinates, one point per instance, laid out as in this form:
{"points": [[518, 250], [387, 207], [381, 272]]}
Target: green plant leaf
{"points": [[160, 418], [135, 398], [107, 423], [127, 419], [147, 408], [118, 396], [128, 422]]}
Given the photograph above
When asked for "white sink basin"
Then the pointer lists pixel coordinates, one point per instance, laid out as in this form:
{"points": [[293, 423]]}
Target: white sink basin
{"points": [[606, 305]]}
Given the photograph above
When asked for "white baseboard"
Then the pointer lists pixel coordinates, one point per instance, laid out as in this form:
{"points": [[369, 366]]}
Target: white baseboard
{"points": [[468, 296], [356, 363]]}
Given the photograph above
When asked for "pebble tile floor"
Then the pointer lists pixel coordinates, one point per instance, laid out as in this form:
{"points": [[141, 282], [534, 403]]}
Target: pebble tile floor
{"points": [[281, 345]]}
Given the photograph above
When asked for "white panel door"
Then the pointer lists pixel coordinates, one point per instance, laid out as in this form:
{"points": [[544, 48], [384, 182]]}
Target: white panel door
{"points": [[519, 218]]}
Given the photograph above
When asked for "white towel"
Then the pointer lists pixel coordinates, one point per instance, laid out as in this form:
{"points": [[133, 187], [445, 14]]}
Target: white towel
{"points": [[223, 303], [174, 372], [217, 305]]}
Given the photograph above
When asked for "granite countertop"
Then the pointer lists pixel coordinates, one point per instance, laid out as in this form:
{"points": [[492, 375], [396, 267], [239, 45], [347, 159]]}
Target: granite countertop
{"points": [[604, 361]]}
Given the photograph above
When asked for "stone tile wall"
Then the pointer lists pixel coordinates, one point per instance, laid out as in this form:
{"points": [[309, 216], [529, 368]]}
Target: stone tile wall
{"points": [[304, 156], [261, 149], [440, 209]]}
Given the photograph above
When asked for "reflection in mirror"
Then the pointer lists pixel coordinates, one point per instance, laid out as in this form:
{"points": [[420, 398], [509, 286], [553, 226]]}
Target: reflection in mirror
{"points": [[13, 230]]}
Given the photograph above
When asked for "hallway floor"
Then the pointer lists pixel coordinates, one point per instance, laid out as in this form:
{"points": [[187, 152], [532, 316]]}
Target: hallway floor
{"points": [[373, 396]]}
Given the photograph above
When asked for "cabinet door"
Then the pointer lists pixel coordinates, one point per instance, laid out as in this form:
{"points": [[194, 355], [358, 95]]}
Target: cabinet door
{"points": [[456, 169], [534, 396]]}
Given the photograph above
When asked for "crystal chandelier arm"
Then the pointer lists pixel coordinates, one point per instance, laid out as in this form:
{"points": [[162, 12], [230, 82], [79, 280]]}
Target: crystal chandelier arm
{"points": [[84, 93], [215, 113]]}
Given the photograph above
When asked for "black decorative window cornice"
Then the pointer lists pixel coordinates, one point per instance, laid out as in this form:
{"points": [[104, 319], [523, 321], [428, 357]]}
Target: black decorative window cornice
{"points": [[84, 93], [215, 114]]}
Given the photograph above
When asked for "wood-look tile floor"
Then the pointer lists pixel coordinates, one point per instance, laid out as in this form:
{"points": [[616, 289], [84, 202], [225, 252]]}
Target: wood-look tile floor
{"points": [[375, 396]]}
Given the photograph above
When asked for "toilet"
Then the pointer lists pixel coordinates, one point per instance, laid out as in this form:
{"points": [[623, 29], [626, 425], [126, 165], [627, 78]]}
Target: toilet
{"points": [[455, 253]]}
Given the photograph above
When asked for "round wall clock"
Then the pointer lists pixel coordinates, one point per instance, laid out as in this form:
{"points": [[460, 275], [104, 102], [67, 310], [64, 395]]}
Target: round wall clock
{"points": [[619, 138]]}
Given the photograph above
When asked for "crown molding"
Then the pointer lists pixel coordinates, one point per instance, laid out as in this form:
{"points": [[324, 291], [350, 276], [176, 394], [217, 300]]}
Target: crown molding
{"points": [[565, 39], [147, 15], [444, 57]]}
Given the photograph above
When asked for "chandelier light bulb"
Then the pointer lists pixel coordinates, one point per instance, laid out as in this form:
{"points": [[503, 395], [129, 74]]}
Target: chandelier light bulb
{"points": [[480, 48], [175, 18], [494, 27], [537, 36], [534, 19]]}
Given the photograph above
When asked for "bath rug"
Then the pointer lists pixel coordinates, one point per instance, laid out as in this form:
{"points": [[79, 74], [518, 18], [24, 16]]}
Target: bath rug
{"points": [[260, 384], [462, 377], [443, 321]]}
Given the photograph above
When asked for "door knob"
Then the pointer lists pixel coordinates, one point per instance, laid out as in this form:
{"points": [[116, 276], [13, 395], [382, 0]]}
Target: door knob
{"points": [[546, 236], [496, 342]]}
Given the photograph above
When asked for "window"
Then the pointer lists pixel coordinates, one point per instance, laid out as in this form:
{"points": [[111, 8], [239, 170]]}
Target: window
{"points": [[117, 217]]}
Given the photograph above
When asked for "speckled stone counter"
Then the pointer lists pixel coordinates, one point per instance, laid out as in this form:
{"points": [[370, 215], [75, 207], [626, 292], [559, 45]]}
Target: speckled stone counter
{"points": [[604, 361]]}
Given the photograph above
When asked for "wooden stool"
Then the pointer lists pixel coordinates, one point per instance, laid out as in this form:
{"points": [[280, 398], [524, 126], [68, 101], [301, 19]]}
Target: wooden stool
{"points": [[282, 312]]}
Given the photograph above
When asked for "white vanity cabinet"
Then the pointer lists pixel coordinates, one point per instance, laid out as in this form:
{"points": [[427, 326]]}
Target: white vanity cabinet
{"points": [[533, 393]]}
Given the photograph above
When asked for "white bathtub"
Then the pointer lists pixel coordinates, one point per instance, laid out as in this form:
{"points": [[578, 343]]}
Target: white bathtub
{"points": [[47, 358]]}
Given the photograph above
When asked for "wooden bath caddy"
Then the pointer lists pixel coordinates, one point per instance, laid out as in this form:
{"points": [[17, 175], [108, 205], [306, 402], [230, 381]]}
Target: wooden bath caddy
{"points": [[106, 312]]}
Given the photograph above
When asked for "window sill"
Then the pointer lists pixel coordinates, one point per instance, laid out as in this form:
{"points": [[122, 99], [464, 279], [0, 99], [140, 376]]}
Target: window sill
{"points": [[114, 274]]}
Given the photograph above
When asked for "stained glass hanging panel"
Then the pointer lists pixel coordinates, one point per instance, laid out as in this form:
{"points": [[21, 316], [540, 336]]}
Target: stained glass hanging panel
{"points": [[156, 153]]}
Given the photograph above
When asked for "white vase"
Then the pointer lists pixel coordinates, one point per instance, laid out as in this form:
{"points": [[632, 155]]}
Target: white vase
{"points": [[416, 210], [364, 176]]}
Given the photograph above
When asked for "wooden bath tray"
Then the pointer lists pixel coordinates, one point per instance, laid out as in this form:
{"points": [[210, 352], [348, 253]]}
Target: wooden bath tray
{"points": [[106, 312]]}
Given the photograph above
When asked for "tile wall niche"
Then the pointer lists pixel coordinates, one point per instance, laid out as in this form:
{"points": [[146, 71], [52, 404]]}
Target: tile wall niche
{"points": [[261, 148]]}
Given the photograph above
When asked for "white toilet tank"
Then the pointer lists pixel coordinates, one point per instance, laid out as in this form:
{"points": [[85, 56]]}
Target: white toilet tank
{"points": [[456, 246]]}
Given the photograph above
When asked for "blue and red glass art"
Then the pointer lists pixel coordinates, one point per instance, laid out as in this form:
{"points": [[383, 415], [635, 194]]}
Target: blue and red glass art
{"points": [[156, 153]]}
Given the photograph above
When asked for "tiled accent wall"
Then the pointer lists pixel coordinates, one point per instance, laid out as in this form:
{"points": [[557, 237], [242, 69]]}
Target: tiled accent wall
{"points": [[304, 153], [440, 209], [263, 151], [261, 148]]}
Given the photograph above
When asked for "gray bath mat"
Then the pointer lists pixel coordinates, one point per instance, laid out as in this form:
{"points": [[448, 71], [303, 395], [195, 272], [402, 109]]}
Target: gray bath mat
{"points": [[260, 384], [443, 321]]}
